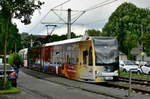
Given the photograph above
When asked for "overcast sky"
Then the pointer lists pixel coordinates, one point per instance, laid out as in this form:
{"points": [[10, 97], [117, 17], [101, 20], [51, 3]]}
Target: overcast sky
{"points": [[93, 19]]}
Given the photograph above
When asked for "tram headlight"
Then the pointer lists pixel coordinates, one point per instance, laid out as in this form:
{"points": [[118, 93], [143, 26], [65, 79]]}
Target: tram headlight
{"points": [[96, 72]]}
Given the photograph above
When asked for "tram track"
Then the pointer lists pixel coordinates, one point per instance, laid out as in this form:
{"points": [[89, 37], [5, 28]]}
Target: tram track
{"points": [[139, 81], [138, 85]]}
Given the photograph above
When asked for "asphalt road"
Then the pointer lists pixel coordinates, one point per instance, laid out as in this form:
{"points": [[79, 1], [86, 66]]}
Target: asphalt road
{"points": [[34, 88]]}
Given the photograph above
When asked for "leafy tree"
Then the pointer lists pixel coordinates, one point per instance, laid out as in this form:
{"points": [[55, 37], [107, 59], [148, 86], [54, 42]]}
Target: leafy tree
{"points": [[94, 32], [146, 43], [14, 39], [128, 23], [13, 57], [63, 37], [54, 37], [19, 9]]}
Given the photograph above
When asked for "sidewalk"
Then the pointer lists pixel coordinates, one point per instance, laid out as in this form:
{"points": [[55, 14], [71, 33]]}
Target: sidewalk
{"points": [[112, 92]]}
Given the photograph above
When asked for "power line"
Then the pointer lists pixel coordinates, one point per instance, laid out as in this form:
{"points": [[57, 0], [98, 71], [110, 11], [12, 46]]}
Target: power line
{"points": [[90, 8], [100, 5], [106, 2], [61, 4], [94, 7], [59, 16], [76, 18], [47, 14], [95, 21]]}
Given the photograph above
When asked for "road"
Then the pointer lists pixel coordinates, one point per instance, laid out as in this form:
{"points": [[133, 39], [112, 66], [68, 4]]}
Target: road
{"points": [[34, 88]]}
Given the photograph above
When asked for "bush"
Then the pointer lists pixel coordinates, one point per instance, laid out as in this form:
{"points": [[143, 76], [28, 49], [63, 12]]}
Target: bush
{"points": [[8, 85], [13, 57]]}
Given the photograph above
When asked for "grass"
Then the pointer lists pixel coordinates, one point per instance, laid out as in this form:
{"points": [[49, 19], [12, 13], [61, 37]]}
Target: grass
{"points": [[12, 90], [135, 75]]}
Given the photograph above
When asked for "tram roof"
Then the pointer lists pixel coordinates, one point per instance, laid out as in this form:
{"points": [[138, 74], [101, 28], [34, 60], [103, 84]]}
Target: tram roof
{"points": [[67, 41]]}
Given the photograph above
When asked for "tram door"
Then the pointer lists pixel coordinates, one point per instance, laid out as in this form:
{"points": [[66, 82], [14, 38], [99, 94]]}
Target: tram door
{"points": [[86, 61]]}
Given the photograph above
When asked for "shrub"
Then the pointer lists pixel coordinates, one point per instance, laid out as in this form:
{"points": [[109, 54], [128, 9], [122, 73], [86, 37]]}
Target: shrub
{"points": [[8, 85], [13, 57]]}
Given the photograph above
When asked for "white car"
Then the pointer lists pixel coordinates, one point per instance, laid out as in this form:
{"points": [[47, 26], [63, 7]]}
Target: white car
{"points": [[145, 68], [127, 65]]}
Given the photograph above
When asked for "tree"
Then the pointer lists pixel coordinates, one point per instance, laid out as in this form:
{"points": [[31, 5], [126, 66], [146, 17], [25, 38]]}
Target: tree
{"points": [[19, 9], [94, 32], [146, 43], [12, 58], [128, 23], [55, 37]]}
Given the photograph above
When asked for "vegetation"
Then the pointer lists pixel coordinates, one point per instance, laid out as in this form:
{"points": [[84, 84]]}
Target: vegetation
{"points": [[8, 85], [94, 32], [26, 39], [14, 39], [126, 74], [19, 9], [13, 57], [10, 91], [55, 37], [146, 42], [131, 26]]}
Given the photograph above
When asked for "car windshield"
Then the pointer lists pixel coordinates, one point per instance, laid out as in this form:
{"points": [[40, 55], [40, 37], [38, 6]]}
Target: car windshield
{"points": [[128, 62], [8, 67], [106, 50]]}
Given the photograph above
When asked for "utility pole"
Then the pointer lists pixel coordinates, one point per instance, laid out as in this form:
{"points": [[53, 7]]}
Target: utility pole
{"points": [[47, 28], [69, 24], [31, 43]]}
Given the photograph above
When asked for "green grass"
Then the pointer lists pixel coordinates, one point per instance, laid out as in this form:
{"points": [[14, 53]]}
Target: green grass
{"points": [[10, 91], [135, 75]]}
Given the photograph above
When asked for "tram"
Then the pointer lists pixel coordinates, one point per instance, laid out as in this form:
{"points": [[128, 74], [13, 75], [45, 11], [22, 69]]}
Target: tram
{"points": [[89, 59]]}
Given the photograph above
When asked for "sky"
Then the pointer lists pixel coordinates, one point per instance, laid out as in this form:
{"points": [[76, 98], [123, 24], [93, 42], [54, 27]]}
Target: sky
{"points": [[91, 19]]}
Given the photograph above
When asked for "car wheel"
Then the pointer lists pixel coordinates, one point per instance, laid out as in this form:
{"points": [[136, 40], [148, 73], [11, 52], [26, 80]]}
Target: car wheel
{"points": [[124, 70], [14, 83]]}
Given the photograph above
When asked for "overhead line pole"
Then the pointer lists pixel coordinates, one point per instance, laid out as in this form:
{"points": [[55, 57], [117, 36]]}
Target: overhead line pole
{"points": [[51, 30], [69, 24]]}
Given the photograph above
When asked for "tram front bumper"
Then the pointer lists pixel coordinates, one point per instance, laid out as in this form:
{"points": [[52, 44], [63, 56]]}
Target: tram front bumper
{"points": [[109, 75]]}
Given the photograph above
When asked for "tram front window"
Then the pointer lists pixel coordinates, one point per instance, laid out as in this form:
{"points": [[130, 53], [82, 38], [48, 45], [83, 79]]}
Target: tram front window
{"points": [[106, 50]]}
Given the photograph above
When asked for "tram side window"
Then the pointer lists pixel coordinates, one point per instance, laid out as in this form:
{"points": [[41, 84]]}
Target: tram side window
{"points": [[85, 54], [90, 57]]}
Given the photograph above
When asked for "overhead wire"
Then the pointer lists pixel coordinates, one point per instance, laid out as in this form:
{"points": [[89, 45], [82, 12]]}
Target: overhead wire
{"points": [[94, 7], [47, 14], [99, 5], [59, 16], [78, 17], [106, 2]]}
